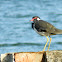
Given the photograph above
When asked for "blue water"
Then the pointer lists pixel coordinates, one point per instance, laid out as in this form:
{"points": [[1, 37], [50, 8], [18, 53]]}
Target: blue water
{"points": [[16, 34]]}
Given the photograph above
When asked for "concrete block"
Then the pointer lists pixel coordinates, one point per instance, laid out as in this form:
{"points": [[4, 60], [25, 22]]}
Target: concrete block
{"points": [[9, 57], [29, 57], [54, 56]]}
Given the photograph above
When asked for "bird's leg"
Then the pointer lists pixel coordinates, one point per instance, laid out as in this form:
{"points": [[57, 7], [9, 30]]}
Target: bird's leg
{"points": [[46, 43], [49, 43]]}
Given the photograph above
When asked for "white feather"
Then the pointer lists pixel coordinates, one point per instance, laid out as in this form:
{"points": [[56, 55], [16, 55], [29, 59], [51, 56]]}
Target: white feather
{"points": [[38, 19]]}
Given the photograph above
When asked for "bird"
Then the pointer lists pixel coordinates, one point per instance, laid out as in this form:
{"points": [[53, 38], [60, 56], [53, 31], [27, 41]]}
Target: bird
{"points": [[44, 28]]}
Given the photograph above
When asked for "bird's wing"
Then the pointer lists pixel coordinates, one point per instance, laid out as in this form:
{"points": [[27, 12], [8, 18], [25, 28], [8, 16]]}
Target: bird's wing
{"points": [[44, 26]]}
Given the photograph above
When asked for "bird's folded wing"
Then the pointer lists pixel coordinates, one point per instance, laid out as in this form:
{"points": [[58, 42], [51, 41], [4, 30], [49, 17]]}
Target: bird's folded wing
{"points": [[44, 26]]}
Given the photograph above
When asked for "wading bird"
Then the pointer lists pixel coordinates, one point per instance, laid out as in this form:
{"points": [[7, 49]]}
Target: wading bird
{"points": [[44, 28]]}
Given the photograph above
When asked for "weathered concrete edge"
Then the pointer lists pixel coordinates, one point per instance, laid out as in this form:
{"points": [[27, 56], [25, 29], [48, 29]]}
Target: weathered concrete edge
{"points": [[11, 56], [47, 55]]}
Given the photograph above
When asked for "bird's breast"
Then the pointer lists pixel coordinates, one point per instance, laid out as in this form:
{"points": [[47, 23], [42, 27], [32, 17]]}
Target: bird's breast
{"points": [[40, 33]]}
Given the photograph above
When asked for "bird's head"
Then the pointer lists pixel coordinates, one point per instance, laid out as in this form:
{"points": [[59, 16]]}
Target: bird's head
{"points": [[35, 18]]}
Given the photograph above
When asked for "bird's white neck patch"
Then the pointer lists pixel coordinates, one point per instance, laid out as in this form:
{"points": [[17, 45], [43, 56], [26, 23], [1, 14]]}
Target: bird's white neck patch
{"points": [[38, 19]]}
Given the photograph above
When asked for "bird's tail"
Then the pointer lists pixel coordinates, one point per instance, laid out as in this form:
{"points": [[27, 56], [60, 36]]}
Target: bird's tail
{"points": [[58, 31]]}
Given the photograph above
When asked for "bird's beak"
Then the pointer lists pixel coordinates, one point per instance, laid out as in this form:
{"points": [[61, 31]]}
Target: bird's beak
{"points": [[32, 20]]}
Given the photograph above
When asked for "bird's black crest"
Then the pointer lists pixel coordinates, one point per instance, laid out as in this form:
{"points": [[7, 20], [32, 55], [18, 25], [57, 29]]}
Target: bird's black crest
{"points": [[36, 16]]}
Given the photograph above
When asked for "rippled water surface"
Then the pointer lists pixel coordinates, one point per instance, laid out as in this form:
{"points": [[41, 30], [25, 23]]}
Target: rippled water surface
{"points": [[16, 34]]}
